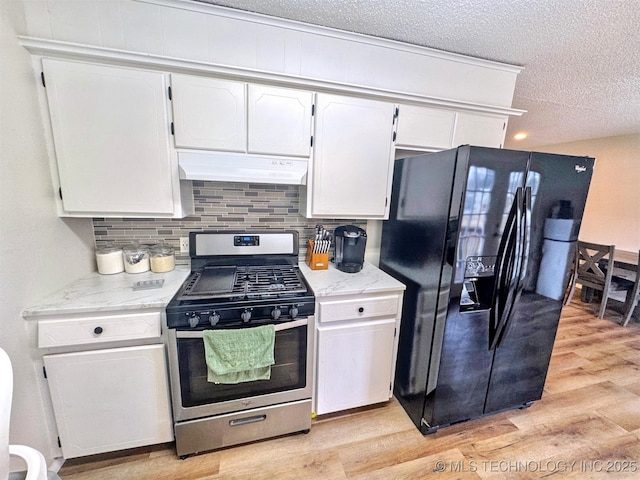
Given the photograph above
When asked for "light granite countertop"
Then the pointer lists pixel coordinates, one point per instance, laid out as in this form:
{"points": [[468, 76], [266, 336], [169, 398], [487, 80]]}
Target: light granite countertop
{"points": [[102, 293], [332, 281]]}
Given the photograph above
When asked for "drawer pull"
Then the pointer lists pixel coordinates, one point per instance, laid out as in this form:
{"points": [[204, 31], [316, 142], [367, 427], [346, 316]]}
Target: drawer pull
{"points": [[245, 420], [97, 330], [361, 309]]}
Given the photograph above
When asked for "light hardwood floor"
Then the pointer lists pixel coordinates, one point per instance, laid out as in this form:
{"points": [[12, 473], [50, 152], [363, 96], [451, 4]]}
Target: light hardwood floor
{"points": [[586, 426]]}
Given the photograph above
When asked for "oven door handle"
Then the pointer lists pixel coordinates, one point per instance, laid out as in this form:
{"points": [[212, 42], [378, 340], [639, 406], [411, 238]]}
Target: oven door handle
{"points": [[279, 327]]}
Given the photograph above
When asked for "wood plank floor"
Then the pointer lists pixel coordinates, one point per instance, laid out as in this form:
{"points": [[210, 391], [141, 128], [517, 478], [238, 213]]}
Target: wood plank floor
{"points": [[587, 426]]}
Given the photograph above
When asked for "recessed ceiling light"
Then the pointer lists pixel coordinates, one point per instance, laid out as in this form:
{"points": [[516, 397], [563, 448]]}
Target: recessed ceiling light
{"points": [[520, 136]]}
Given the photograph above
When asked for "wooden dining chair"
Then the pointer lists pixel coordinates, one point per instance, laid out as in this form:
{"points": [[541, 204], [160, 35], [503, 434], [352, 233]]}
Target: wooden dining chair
{"points": [[627, 292], [587, 271]]}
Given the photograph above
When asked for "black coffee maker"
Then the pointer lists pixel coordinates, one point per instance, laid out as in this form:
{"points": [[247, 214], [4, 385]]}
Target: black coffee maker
{"points": [[350, 245]]}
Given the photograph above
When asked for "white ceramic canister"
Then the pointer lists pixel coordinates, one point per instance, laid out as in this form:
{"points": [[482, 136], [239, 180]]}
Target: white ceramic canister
{"points": [[162, 258], [136, 258], [109, 260]]}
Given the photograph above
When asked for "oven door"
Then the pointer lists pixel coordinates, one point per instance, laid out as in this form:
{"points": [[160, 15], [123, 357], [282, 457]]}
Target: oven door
{"points": [[195, 397]]}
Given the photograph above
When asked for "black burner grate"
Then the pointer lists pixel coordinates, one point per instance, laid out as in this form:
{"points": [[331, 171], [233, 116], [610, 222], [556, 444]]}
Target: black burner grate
{"points": [[245, 282], [266, 281]]}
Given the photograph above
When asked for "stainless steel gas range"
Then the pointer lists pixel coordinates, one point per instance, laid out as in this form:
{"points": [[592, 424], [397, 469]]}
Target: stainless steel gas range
{"points": [[241, 280]]}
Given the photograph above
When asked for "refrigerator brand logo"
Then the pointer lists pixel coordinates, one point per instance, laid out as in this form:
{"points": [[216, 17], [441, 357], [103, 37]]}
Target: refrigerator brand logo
{"points": [[580, 168]]}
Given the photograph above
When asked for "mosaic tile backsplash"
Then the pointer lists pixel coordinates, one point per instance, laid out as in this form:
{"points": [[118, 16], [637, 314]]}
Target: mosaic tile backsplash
{"points": [[220, 206]]}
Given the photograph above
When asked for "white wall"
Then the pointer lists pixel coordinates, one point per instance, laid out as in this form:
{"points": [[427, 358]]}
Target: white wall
{"points": [[40, 252], [612, 214]]}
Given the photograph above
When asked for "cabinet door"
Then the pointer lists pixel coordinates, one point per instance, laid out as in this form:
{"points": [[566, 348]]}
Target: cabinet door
{"points": [[355, 363], [106, 400], [479, 130], [279, 121], [209, 113], [422, 127], [111, 137], [352, 162]]}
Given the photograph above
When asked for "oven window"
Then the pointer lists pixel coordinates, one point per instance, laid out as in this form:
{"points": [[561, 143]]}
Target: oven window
{"points": [[288, 373]]}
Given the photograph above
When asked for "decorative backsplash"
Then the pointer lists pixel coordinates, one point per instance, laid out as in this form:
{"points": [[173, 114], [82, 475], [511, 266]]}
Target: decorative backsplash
{"points": [[220, 206]]}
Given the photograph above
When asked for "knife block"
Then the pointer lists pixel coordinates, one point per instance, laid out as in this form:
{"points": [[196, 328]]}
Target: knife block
{"points": [[316, 261]]}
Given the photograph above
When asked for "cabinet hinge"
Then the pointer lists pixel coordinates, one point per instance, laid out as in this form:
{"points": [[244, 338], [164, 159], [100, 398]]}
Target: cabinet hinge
{"points": [[170, 94], [396, 113], [312, 140], [42, 78], [386, 201], [60, 192], [394, 136], [395, 332], [59, 443], [313, 109], [504, 125], [44, 372], [172, 129]]}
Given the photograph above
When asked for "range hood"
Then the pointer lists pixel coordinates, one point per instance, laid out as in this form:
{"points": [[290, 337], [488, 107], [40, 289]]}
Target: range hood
{"points": [[229, 167]]}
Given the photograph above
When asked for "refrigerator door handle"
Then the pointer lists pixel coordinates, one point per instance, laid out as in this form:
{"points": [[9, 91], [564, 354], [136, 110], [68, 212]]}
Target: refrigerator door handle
{"points": [[523, 260], [505, 271], [526, 238]]}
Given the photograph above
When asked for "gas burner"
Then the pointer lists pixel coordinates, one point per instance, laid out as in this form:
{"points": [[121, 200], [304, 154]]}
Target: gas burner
{"points": [[236, 278]]}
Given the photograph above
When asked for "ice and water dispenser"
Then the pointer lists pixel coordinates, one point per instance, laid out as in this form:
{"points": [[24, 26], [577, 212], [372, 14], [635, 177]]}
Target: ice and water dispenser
{"points": [[478, 284]]}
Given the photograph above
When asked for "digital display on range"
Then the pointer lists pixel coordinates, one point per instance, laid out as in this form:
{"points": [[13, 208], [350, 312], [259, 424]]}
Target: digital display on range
{"points": [[246, 240]]}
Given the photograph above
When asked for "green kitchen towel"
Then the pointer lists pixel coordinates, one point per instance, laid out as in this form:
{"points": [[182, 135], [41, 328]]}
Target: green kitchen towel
{"points": [[239, 355]]}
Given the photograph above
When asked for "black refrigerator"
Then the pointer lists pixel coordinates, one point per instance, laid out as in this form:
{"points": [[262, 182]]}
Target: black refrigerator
{"points": [[484, 240]]}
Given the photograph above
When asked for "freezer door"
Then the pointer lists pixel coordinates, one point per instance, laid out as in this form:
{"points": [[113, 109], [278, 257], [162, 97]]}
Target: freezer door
{"points": [[465, 365]]}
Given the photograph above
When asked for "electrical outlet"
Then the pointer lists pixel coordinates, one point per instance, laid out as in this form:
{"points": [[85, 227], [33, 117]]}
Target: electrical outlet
{"points": [[184, 244]]}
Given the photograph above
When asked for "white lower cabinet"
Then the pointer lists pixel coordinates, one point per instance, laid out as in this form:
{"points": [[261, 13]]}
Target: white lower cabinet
{"points": [[105, 396], [106, 400], [356, 350], [354, 364]]}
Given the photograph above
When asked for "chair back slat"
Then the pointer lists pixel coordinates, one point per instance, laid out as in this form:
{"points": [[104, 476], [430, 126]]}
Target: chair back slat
{"points": [[633, 297], [593, 268]]}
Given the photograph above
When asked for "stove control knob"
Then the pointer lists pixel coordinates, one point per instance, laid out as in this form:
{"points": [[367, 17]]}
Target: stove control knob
{"points": [[293, 311], [275, 313], [246, 316], [194, 320], [214, 318]]}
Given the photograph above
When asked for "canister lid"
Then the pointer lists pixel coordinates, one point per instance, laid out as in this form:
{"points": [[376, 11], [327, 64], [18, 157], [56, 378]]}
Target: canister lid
{"points": [[106, 249], [134, 247], [161, 250]]}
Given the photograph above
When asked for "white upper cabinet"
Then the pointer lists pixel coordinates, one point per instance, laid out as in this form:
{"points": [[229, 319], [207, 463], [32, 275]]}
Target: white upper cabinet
{"points": [[279, 121], [209, 113], [111, 137], [230, 116], [480, 130], [423, 127], [352, 161]]}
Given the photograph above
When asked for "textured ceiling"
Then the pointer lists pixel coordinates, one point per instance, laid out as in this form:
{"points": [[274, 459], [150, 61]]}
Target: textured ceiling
{"points": [[581, 58]]}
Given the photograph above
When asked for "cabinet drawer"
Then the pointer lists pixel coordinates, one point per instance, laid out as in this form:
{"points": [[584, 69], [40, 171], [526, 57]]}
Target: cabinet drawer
{"points": [[357, 308], [98, 329]]}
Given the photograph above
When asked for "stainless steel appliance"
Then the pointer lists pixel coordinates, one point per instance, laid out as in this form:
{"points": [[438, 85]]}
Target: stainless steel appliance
{"points": [[241, 280], [466, 235], [351, 242]]}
